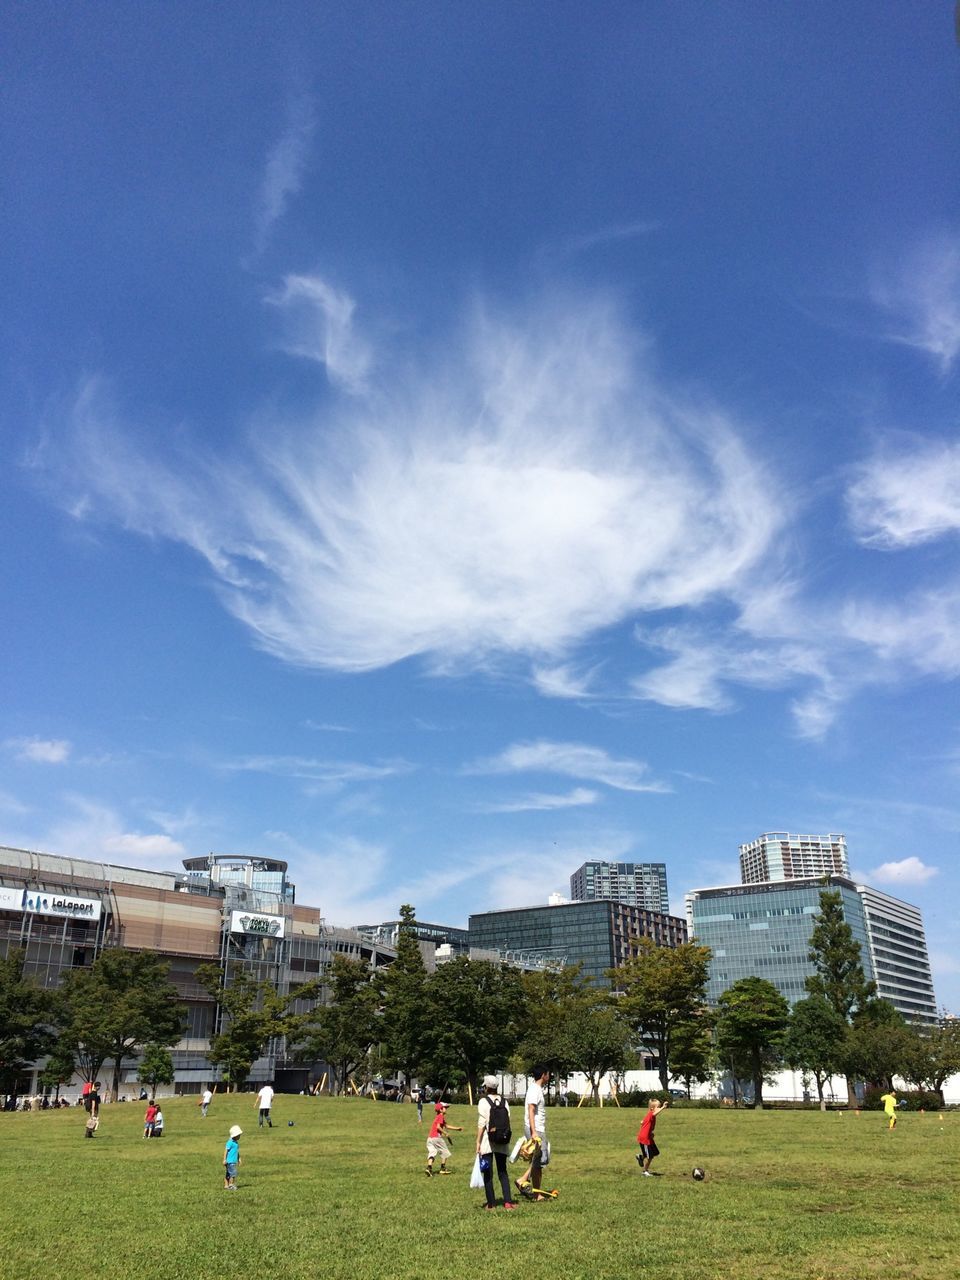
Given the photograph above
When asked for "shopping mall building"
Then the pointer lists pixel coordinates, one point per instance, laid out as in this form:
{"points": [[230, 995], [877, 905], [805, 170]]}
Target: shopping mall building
{"points": [[235, 912]]}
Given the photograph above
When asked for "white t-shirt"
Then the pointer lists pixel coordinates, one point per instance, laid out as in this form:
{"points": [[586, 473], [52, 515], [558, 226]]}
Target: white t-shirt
{"points": [[207, 1098], [265, 1097], [534, 1097]]}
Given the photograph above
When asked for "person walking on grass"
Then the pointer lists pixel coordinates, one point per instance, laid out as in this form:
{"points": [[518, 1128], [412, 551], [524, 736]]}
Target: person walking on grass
{"points": [[149, 1119], [889, 1101], [648, 1147], [231, 1159], [264, 1103], [437, 1141], [205, 1099], [535, 1127], [493, 1141]]}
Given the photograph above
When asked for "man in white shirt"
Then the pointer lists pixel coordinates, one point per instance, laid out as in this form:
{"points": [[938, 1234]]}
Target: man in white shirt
{"points": [[265, 1102], [205, 1101], [535, 1126]]}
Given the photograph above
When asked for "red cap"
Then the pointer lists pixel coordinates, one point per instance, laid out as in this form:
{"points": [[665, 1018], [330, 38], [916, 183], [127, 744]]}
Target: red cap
{"points": [[440, 1106]]}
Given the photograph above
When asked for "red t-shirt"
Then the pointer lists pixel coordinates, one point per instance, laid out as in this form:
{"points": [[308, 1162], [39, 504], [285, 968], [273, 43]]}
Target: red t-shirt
{"points": [[645, 1136], [151, 1114], [436, 1129]]}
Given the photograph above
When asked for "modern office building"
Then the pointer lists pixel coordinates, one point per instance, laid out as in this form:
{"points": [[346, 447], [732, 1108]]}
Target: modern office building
{"points": [[640, 884], [598, 935], [232, 912], [764, 930], [898, 953], [777, 855]]}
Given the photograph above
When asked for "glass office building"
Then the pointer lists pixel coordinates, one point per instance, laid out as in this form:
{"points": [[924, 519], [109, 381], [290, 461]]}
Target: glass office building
{"points": [[764, 930], [898, 950], [641, 884], [598, 935]]}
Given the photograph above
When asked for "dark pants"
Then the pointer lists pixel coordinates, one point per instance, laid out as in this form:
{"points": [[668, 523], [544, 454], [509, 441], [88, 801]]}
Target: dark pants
{"points": [[265, 1115], [501, 1160]]}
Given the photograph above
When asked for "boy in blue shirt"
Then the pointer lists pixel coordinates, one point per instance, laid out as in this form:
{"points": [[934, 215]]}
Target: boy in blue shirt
{"points": [[231, 1159]]}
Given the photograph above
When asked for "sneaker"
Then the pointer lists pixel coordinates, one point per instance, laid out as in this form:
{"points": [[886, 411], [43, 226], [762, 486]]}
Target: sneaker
{"points": [[445, 1173], [639, 1159], [647, 1173], [509, 1204], [488, 1206], [428, 1172]]}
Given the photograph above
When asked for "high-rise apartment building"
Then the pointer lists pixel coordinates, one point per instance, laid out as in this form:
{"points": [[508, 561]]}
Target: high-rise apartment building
{"points": [[898, 953], [777, 855], [639, 884]]}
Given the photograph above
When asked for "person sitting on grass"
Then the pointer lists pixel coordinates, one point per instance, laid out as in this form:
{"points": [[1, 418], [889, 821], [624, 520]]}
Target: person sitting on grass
{"points": [[437, 1141], [648, 1148]]}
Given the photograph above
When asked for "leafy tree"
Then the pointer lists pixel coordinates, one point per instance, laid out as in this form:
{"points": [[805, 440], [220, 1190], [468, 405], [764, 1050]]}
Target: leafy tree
{"points": [[663, 989], [751, 1025], [815, 1039], [552, 999], [405, 984], [254, 1014], [344, 1031], [118, 1005], [156, 1067], [934, 1056], [472, 1018], [25, 1019], [691, 1051], [598, 1039], [59, 1068], [836, 955], [877, 1050]]}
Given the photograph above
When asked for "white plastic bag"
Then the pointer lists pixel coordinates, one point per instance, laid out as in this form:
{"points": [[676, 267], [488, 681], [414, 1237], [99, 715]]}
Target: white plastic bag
{"points": [[476, 1177], [516, 1150]]}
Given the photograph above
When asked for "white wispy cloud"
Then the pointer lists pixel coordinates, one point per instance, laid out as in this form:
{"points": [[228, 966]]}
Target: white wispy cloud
{"points": [[922, 300], [283, 172], [331, 772], [40, 750], [907, 495], [134, 844], [88, 828], [529, 485], [541, 801], [574, 760], [319, 326], [906, 871]]}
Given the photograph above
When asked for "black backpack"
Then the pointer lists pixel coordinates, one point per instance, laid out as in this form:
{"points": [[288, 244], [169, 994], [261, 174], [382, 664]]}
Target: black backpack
{"points": [[498, 1121]]}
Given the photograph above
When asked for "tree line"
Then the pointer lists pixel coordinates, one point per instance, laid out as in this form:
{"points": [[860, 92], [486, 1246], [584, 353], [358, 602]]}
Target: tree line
{"points": [[469, 1017]]}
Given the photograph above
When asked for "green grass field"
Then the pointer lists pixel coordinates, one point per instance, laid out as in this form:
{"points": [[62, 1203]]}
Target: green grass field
{"points": [[342, 1195]]}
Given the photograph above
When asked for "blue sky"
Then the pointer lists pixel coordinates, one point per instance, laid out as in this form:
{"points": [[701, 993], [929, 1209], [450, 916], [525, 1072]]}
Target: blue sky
{"points": [[444, 443]]}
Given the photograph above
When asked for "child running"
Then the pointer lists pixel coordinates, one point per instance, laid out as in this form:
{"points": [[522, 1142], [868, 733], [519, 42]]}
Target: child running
{"points": [[437, 1141], [648, 1148]]}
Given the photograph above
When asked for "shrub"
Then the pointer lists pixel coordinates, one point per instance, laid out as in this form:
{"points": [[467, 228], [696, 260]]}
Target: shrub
{"points": [[912, 1099]]}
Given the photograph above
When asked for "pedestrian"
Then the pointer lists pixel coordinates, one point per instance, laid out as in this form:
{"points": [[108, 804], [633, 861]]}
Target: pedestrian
{"points": [[264, 1103], [91, 1102], [158, 1125], [418, 1099], [535, 1128], [493, 1141], [437, 1141], [149, 1119], [889, 1101], [205, 1099], [231, 1158], [648, 1147]]}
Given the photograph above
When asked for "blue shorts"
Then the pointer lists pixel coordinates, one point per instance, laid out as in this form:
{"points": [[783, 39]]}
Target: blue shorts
{"points": [[229, 1170]]}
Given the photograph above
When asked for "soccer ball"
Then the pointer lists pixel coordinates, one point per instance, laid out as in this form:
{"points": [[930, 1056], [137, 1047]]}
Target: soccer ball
{"points": [[289, 1124], [699, 1174]]}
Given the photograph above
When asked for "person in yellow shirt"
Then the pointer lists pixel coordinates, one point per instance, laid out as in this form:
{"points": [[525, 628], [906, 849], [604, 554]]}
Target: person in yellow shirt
{"points": [[890, 1108]]}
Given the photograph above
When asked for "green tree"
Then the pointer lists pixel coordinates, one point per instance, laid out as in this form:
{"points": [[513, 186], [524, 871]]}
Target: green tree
{"points": [[598, 1040], [934, 1055], [59, 1068], [814, 1041], [254, 1013], [662, 990], [877, 1049], [343, 1032], [156, 1067], [26, 1033], [473, 1015], [118, 1005], [752, 1021], [405, 993], [691, 1051], [836, 955], [552, 999]]}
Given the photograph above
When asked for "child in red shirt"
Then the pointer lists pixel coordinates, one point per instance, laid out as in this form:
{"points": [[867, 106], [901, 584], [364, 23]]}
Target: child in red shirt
{"points": [[437, 1142], [648, 1148]]}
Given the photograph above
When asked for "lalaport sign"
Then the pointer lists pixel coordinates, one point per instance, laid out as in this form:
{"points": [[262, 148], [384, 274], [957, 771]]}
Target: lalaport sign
{"points": [[42, 903], [251, 923]]}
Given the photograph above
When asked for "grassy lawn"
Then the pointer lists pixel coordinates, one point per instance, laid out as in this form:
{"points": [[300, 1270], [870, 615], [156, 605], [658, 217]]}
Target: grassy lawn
{"points": [[341, 1195]]}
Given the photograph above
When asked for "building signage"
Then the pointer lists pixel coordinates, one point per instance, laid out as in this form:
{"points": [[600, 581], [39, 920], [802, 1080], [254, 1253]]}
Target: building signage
{"points": [[42, 903], [249, 922], [11, 899]]}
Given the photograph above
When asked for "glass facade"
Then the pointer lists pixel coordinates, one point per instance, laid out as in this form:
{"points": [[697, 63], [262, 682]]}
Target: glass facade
{"points": [[764, 930], [641, 884]]}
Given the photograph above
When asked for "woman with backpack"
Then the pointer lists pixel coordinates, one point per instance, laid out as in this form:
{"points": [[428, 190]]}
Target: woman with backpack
{"points": [[493, 1141]]}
